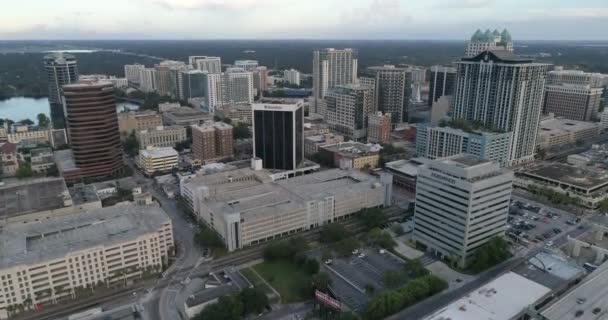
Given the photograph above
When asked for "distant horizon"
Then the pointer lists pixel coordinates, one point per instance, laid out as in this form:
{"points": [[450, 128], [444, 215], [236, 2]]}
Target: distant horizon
{"points": [[515, 41]]}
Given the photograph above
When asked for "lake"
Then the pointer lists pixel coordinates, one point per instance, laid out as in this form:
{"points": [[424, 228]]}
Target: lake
{"points": [[20, 108]]}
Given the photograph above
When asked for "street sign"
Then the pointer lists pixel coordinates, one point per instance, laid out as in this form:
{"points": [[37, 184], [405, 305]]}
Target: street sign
{"points": [[327, 300]]}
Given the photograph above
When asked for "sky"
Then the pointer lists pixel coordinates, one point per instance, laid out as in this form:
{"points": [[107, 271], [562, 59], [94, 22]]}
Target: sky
{"points": [[301, 19]]}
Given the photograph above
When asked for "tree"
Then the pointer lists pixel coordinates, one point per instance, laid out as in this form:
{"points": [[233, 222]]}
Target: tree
{"points": [[372, 217], [27, 122], [415, 268], [208, 238], [227, 120], [398, 229], [241, 131], [334, 232], [227, 308], [321, 281], [24, 171], [490, 254], [253, 300], [380, 238], [311, 266], [323, 158], [344, 247], [393, 278], [43, 120], [131, 145], [603, 205]]}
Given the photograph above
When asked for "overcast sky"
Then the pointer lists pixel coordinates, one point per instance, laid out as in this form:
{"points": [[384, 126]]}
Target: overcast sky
{"points": [[309, 19]]}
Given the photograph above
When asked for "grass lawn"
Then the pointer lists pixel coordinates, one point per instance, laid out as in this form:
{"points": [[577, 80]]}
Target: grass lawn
{"points": [[257, 282], [285, 278]]}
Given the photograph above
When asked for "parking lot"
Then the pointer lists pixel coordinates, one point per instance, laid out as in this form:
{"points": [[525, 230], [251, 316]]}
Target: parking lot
{"points": [[531, 222], [352, 276]]}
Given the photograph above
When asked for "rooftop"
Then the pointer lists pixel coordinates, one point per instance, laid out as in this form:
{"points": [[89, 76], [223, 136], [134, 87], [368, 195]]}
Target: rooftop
{"points": [[577, 176], [408, 167], [353, 148], [558, 126], [498, 56], [207, 295], [161, 152], [65, 160], [501, 299], [550, 270], [19, 197], [82, 194], [587, 301], [185, 112], [24, 244], [464, 161]]}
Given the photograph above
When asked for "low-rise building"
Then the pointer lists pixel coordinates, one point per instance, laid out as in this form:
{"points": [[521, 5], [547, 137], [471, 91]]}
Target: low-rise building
{"points": [[555, 132], [167, 106], [604, 119], [353, 155], [572, 101], [239, 113], [49, 261], [315, 129], [9, 159], [405, 172], [212, 141], [41, 160], [66, 165], [312, 143], [246, 207], [185, 116], [133, 121], [379, 127], [35, 135], [155, 160], [167, 136]]}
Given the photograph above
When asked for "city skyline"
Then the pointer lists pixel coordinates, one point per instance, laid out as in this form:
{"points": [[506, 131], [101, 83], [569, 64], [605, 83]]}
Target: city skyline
{"points": [[315, 19]]}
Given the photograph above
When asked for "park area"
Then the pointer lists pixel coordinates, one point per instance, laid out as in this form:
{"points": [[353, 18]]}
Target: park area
{"points": [[286, 278]]}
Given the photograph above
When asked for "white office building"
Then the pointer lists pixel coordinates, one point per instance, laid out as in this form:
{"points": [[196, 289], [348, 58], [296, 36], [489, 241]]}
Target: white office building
{"points": [[153, 160], [206, 64], [237, 86], [147, 79], [132, 72], [247, 65], [332, 67], [461, 204], [292, 76]]}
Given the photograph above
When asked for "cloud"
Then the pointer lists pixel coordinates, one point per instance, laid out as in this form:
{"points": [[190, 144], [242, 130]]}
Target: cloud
{"points": [[464, 4], [215, 5], [377, 13]]}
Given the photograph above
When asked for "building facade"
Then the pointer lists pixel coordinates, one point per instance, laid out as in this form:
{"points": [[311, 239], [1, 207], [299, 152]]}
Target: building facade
{"points": [[191, 84], [184, 116], [54, 260], [164, 136], [147, 80], [92, 127], [132, 72], [312, 143], [379, 127], [237, 86], [441, 142], [347, 109], [392, 90], [332, 67], [482, 96], [206, 64], [247, 65], [155, 160], [212, 141], [353, 155], [278, 134], [461, 204], [558, 132], [60, 69], [576, 102], [292, 76], [488, 40], [442, 82], [133, 121]]}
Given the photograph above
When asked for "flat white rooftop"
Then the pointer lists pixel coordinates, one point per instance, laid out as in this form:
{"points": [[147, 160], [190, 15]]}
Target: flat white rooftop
{"points": [[163, 152], [502, 299]]}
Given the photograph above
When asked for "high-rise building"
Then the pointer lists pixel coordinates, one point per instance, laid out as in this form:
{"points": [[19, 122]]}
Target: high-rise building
{"points": [[292, 76], [483, 41], [132, 72], [482, 96], [92, 124], [441, 83], [191, 84], [212, 85], [206, 64], [604, 120], [571, 101], [260, 79], [370, 82], [332, 67], [247, 65], [278, 137], [61, 69], [379, 127], [392, 90], [441, 142], [347, 108], [462, 203], [212, 141], [237, 86], [167, 77], [147, 80]]}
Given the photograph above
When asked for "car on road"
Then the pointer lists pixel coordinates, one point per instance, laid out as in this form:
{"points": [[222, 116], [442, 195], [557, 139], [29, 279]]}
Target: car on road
{"points": [[361, 255], [381, 251], [328, 261], [557, 230], [549, 243], [355, 252]]}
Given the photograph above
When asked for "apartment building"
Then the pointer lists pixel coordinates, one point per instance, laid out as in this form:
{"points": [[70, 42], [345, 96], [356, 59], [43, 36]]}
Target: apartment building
{"points": [[132, 72], [247, 208], [573, 101], [212, 141], [347, 109], [167, 136], [332, 67], [292, 76], [133, 121], [55, 260], [155, 160], [462, 202], [206, 63], [379, 127]]}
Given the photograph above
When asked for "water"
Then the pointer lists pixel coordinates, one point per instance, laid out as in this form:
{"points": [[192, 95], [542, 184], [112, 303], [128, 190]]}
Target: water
{"points": [[20, 108]]}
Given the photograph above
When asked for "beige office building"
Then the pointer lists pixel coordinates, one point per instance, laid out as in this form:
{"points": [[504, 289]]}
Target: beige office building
{"points": [[161, 137], [134, 121], [55, 260], [556, 132], [155, 160], [570, 101]]}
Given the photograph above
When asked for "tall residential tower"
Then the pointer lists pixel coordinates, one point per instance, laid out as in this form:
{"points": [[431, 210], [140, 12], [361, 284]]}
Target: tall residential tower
{"points": [[332, 67]]}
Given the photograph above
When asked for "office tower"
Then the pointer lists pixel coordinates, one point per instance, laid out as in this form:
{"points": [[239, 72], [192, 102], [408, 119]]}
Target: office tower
{"points": [[278, 137], [417, 78], [292, 76], [440, 142], [332, 67], [212, 141], [502, 92], [577, 77], [147, 80], [392, 90], [167, 77], [191, 84], [461, 204], [247, 65], [483, 41], [61, 69], [92, 124], [441, 83], [237, 86], [573, 101], [260, 79], [379, 127], [370, 82], [206, 64], [212, 86], [132, 72], [347, 107]]}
